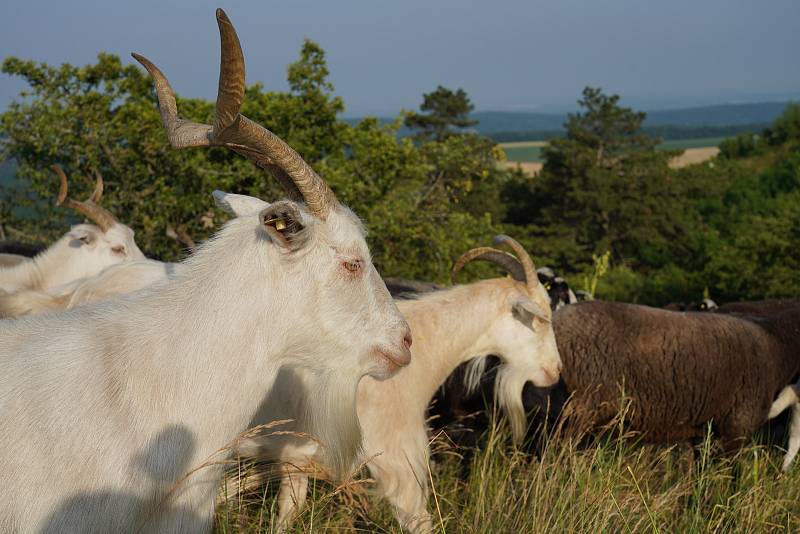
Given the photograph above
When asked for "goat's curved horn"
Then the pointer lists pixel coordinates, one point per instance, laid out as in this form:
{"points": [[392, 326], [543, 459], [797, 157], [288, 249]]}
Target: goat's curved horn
{"points": [[499, 257], [233, 130], [97, 194], [531, 278], [98, 214]]}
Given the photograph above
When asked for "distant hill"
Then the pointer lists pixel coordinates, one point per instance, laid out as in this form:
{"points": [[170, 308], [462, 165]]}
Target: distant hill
{"points": [[702, 121], [722, 115], [514, 121]]}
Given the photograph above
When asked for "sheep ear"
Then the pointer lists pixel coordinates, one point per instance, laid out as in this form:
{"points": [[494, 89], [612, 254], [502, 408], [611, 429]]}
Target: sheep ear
{"points": [[572, 297], [238, 205], [283, 221], [525, 310]]}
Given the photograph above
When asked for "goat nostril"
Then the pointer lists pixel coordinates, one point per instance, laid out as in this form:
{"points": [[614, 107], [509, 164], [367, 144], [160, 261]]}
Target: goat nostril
{"points": [[407, 340]]}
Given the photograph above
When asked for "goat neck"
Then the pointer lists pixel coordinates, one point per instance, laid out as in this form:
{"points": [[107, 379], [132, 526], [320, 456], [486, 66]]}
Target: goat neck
{"points": [[469, 311]]}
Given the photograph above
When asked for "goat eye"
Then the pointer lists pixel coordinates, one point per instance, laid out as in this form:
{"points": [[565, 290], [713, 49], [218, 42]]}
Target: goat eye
{"points": [[119, 249], [352, 265]]}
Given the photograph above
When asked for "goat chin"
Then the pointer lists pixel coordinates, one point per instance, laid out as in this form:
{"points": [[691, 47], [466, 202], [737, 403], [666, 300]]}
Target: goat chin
{"points": [[330, 417]]}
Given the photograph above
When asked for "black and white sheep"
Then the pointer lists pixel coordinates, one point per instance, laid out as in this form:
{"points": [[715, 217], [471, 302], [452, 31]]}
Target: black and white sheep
{"points": [[557, 288], [702, 306]]}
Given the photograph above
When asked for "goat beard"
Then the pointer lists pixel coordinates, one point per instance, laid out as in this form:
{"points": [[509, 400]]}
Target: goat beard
{"points": [[330, 417], [509, 384]]}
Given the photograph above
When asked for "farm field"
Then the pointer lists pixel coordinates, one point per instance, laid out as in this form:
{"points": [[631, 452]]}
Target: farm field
{"points": [[524, 151], [683, 144], [531, 151]]}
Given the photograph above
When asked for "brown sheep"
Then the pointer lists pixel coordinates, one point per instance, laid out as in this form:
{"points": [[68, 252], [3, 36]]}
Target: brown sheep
{"points": [[679, 370]]}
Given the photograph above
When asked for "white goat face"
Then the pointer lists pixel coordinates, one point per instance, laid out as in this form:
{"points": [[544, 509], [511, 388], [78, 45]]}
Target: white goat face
{"points": [[95, 250], [525, 340], [354, 325]]}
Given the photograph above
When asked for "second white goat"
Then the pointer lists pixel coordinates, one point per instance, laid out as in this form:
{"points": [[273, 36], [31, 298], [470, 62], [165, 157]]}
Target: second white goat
{"points": [[509, 318]]}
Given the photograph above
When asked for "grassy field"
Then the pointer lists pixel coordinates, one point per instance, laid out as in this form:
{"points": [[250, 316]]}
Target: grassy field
{"points": [[531, 151], [682, 144], [613, 485], [525, 151]]}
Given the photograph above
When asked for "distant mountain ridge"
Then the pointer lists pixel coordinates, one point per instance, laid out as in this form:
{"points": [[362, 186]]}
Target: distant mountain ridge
{"points": [[723, 115]]}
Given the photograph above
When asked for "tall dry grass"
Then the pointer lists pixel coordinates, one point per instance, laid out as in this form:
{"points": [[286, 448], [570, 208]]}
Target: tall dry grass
{"points": [[611, 484]]}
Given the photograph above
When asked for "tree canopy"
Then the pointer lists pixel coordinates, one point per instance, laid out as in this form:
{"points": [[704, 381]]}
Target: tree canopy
{"points": [[729, 226], [443, 112], [420, 202]]}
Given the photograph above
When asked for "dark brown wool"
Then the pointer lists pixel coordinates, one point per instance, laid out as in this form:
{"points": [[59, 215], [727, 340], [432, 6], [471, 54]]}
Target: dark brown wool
{"points": [[680, 370]]}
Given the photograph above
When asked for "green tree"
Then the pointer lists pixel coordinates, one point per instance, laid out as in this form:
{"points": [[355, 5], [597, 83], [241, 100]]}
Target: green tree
{"points": [[419, 201], [604, 186], [443, 111], [104, 117], [786, 128]]}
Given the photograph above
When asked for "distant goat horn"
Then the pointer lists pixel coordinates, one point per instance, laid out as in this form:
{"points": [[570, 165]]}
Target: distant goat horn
{"points": [[94, 212], [233, 130], [498, 257]]}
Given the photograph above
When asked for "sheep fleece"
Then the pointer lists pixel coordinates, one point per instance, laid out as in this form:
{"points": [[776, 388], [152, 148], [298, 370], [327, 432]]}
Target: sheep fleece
{"points": [[679, 370]]}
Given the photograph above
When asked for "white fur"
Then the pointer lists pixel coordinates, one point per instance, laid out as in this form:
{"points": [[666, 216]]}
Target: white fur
{"points": [[83, 252], [117, 279], [105, 408], [788, 397], [238, 205], [114, 280], [450, 327]]}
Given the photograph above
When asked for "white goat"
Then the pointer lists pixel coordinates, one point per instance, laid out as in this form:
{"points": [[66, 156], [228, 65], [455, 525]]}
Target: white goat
{"points": [[105, 408], [504, 317], [789, 396], [117, 279], [84, 251]]}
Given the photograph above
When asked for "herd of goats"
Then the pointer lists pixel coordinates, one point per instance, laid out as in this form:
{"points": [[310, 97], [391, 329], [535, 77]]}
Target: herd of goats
{"points": [[125, 379]]}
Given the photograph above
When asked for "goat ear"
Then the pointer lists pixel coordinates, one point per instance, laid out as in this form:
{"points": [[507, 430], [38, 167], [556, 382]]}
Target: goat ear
{"points": [[84, 235], [284, 224], [238, 205], [525, 310]]}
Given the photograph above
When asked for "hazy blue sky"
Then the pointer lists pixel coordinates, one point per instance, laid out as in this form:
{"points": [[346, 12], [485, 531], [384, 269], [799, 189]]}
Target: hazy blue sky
{"points": [[508, 55]]}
